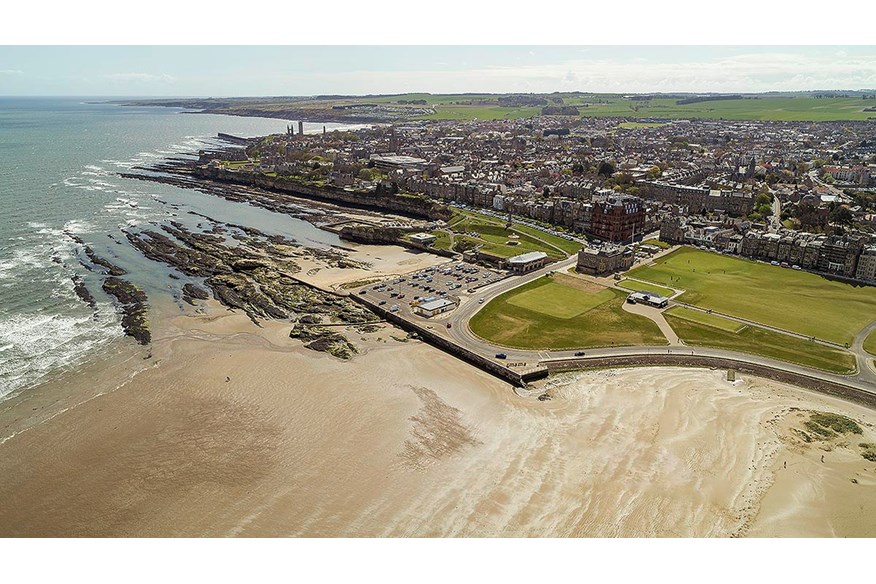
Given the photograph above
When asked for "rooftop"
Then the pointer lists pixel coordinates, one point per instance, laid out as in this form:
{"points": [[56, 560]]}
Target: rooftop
{"points": [[525, 258]]}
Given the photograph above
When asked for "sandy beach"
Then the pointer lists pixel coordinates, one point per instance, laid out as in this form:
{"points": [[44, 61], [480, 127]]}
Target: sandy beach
{"points": [[383, 261], [232, 430]]}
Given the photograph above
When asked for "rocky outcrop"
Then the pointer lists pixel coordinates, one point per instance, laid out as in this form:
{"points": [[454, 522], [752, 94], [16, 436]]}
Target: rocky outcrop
{"points": [[192, 293], [111, 268], [255, 277], [82, 292], [134, 308]]}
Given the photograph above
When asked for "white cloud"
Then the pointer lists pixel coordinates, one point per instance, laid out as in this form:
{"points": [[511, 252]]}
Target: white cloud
{"points": [[749, 72], [141, 77], [11, 72]]}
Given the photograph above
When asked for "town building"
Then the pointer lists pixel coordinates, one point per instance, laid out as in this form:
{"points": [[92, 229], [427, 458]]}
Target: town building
{"points": [[527, 262], [617, 218], [424, 238], [867, 264], [649, 298], [605, 260], [433, 307]]}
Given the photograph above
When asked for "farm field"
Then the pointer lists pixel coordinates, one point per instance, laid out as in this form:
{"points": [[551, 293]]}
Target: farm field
{"points": [[757, 341], [563, 312], [793, 300]]}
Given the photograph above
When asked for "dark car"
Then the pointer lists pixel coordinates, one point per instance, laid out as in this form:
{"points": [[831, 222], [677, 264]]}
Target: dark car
{"points": [[579, 353], [501, 356]]}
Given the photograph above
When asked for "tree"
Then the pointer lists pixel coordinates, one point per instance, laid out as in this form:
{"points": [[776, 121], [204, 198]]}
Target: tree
{"points": [[841, 215], [605, 169]]}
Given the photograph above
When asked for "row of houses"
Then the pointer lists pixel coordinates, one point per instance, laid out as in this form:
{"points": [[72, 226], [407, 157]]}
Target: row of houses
{"points": [[850, 255], [699, 199]]}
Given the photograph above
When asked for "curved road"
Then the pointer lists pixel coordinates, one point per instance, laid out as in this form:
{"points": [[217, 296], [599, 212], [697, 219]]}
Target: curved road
{"points": [[460, 332]]}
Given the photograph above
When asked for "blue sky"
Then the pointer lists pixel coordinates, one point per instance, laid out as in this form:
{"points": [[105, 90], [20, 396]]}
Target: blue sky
{"points": [[310, 70]]}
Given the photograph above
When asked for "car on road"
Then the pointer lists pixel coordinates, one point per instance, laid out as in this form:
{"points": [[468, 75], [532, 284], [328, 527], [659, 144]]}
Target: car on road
{"points": [[501, 356], [480, 300], [579, 353], [363, 291]]}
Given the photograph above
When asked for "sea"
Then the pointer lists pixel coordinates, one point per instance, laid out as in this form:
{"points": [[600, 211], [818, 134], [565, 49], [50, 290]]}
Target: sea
{"points": [[59, 165]]}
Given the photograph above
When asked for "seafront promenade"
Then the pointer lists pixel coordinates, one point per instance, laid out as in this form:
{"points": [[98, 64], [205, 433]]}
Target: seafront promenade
{"points": [[451, 333]]}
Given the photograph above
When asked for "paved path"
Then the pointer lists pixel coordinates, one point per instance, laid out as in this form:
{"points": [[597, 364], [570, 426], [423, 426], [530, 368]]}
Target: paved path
{"points": [[461, 333], [865, 360], [656, 315]]}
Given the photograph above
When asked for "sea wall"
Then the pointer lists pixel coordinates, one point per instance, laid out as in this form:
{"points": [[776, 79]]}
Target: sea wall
{"points": [[448, 346], [404, 204], [805, 381]]}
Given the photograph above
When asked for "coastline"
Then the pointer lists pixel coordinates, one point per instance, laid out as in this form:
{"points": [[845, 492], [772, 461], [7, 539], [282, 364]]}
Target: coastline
{"points": [[403, 440]]}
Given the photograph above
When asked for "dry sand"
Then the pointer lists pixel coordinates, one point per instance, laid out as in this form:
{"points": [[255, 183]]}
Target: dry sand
{"points": [[406, 441], [384, 260]]}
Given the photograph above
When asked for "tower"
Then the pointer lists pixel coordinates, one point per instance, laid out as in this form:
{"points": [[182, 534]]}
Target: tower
{"points": [[300, 127]]}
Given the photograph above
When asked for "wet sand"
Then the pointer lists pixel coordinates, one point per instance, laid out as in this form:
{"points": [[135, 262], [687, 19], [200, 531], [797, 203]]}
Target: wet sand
{"points": [[231, 430]]}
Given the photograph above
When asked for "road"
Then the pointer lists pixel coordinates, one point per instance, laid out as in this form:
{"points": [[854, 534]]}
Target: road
{"points": [[522, 360], [460, 332]]}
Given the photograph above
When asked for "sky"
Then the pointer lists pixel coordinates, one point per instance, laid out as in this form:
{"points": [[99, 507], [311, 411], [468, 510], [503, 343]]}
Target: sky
{"points": [[222, 71]]}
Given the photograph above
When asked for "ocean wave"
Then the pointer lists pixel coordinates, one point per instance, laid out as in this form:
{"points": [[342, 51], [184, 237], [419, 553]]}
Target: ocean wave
{"points": [[78, 226], [37, 344]]}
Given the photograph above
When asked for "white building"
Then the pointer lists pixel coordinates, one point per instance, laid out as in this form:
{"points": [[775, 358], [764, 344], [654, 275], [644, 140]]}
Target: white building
{"points": [[527, 262], [433, 307]]}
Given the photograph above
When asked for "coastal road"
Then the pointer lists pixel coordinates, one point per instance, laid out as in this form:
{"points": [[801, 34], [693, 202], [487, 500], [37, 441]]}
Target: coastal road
{"points": [[460, 332], [523, 360]]}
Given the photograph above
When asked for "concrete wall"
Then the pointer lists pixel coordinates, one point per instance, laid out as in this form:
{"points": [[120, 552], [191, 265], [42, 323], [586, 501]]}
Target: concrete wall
{"points": [[448, 346]]}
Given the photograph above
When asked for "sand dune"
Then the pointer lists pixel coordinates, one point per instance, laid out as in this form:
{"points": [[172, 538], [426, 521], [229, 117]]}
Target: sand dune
{"points": [[406, 441]]}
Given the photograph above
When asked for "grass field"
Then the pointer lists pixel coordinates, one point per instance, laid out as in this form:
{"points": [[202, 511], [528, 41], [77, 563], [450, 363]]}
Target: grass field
{"points": [[793, 300], [759, 341], [634, 286], [637, 125], [776, 108], [719, 322], [657, 243], [493, 236], [560, 301], [563, 312], [870, 343]]}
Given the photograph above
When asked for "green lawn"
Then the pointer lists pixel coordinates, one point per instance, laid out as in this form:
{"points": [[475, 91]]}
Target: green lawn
{"points": [[563, 312], [634, 286], [657, 243], [637, 125], [494, 237], [559, 301], [759, 341], [794, 300], [719, 322], [777, 108], [870, 343]]}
